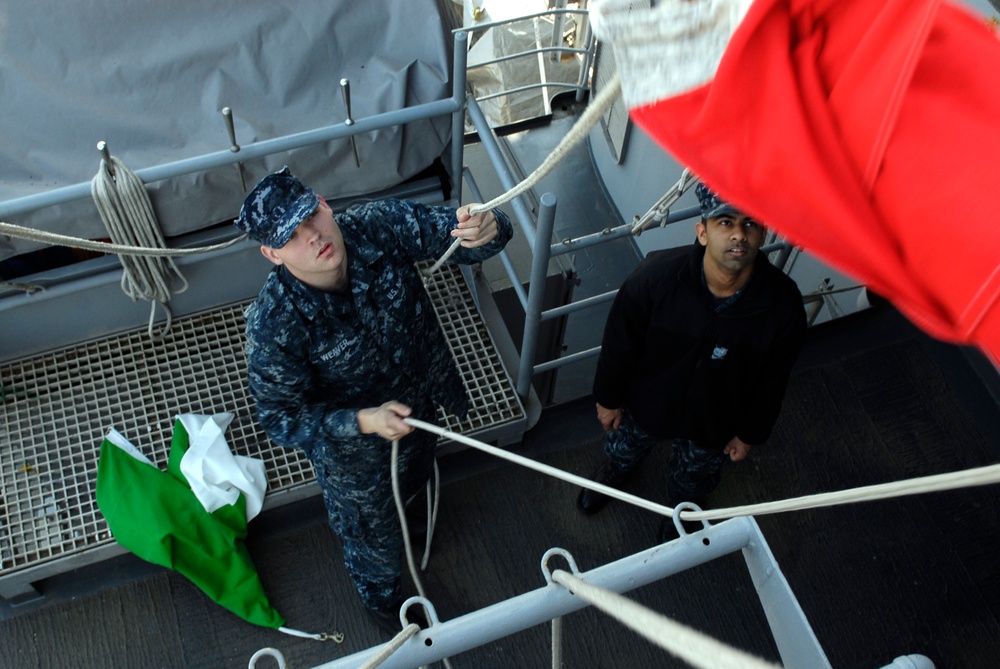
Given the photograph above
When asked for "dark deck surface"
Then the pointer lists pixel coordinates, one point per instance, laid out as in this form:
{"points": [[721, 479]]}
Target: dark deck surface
{"points": [[871, 400]]}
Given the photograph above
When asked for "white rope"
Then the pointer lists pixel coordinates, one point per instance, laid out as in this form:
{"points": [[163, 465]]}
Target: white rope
{"points": [[935, 483], [401, 511], [576, 133], [659, 211], [433, 499], [966, 478], [397, 496], [128, 215], [579, 130], [545, 469], [338, 637], [55, 239], [386, 651], [697, 649], [590, 116]]}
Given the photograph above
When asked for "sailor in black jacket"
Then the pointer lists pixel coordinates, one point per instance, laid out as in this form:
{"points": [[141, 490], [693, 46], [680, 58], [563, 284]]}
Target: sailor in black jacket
{"points": [[697, 348]]}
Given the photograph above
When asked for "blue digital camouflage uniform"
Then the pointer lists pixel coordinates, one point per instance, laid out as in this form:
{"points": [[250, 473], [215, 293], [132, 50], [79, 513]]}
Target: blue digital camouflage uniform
{"points": [[315, 358], [692, 471]]}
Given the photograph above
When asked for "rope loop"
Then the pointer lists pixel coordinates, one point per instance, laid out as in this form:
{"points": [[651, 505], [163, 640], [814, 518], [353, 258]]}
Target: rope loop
{"points": [[267, 652], [127, 212], [565, 555]]}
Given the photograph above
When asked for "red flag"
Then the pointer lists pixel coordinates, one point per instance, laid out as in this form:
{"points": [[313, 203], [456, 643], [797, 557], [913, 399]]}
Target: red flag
{"points": [[865, 131]]}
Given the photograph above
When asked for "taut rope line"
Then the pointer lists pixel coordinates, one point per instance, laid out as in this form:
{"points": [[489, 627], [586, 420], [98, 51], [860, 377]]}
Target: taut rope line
{"points": [[935, 483], [387, 651], [694, 647], [579, 130], [55, 239]]}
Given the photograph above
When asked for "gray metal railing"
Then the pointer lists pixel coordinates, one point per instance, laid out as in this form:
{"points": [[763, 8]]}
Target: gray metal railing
{"points": [[794, 637], [555, 51], [539, 237], [537, 233], [453, 105]]}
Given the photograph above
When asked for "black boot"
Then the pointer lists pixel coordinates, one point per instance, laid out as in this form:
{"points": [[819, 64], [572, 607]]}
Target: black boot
{"points": [[591, 501]]}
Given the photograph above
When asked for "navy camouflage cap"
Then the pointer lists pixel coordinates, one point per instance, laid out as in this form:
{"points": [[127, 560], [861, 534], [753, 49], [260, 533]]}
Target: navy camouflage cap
{"points": [[275, 207], [712, 205]]}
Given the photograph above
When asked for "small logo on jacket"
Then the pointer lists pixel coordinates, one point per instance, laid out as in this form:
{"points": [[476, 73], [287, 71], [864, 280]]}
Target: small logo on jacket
{"points": [[719, 353]]}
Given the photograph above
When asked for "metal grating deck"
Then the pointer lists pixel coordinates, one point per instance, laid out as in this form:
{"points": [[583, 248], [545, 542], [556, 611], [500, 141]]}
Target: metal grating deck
{"points": [[56, 408]]}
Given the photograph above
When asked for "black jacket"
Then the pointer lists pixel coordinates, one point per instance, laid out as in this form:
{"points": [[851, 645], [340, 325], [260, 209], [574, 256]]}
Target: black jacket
{"points": [[684, 371]]}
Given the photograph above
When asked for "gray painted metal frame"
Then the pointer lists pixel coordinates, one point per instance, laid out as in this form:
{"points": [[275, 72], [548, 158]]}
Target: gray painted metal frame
{"points": [[797, 644]]}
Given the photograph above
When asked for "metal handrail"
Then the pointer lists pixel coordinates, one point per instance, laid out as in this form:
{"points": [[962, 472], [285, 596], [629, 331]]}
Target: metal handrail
{"points": [[521, 89], [537, 15], [587, 51], [529, 52], [452, 105]]}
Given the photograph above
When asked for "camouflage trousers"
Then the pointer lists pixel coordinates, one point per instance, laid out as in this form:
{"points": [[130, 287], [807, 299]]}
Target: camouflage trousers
{"points": [[356, 479], [693, 471]]}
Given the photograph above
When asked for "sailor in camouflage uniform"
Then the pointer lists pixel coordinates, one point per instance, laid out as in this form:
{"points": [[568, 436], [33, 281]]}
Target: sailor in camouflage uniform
{"points": [[343, 343]]}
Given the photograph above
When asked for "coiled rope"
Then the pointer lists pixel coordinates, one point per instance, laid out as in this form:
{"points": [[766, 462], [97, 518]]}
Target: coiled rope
{"points": [[124, 205], [119, 212]]}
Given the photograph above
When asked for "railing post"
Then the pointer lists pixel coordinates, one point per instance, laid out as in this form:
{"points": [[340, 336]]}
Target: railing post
{"points": [[584, 39], [557, 30], [458, 118], [536, 292]]}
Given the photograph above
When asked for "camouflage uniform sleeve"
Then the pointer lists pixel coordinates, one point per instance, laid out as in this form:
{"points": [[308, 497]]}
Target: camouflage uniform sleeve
{"points": [[423, 232], [282, 382]]}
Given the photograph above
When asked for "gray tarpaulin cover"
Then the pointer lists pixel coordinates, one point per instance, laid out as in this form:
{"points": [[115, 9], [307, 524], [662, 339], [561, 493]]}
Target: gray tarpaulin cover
{"points": [[151, 78]]}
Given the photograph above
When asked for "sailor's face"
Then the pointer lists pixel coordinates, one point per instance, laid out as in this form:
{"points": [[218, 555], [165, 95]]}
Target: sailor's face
{"points": [[731, 241], [315, 254]]}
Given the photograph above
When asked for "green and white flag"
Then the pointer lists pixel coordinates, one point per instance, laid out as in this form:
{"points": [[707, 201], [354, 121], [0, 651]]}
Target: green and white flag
{"points": [[193, 517]]}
